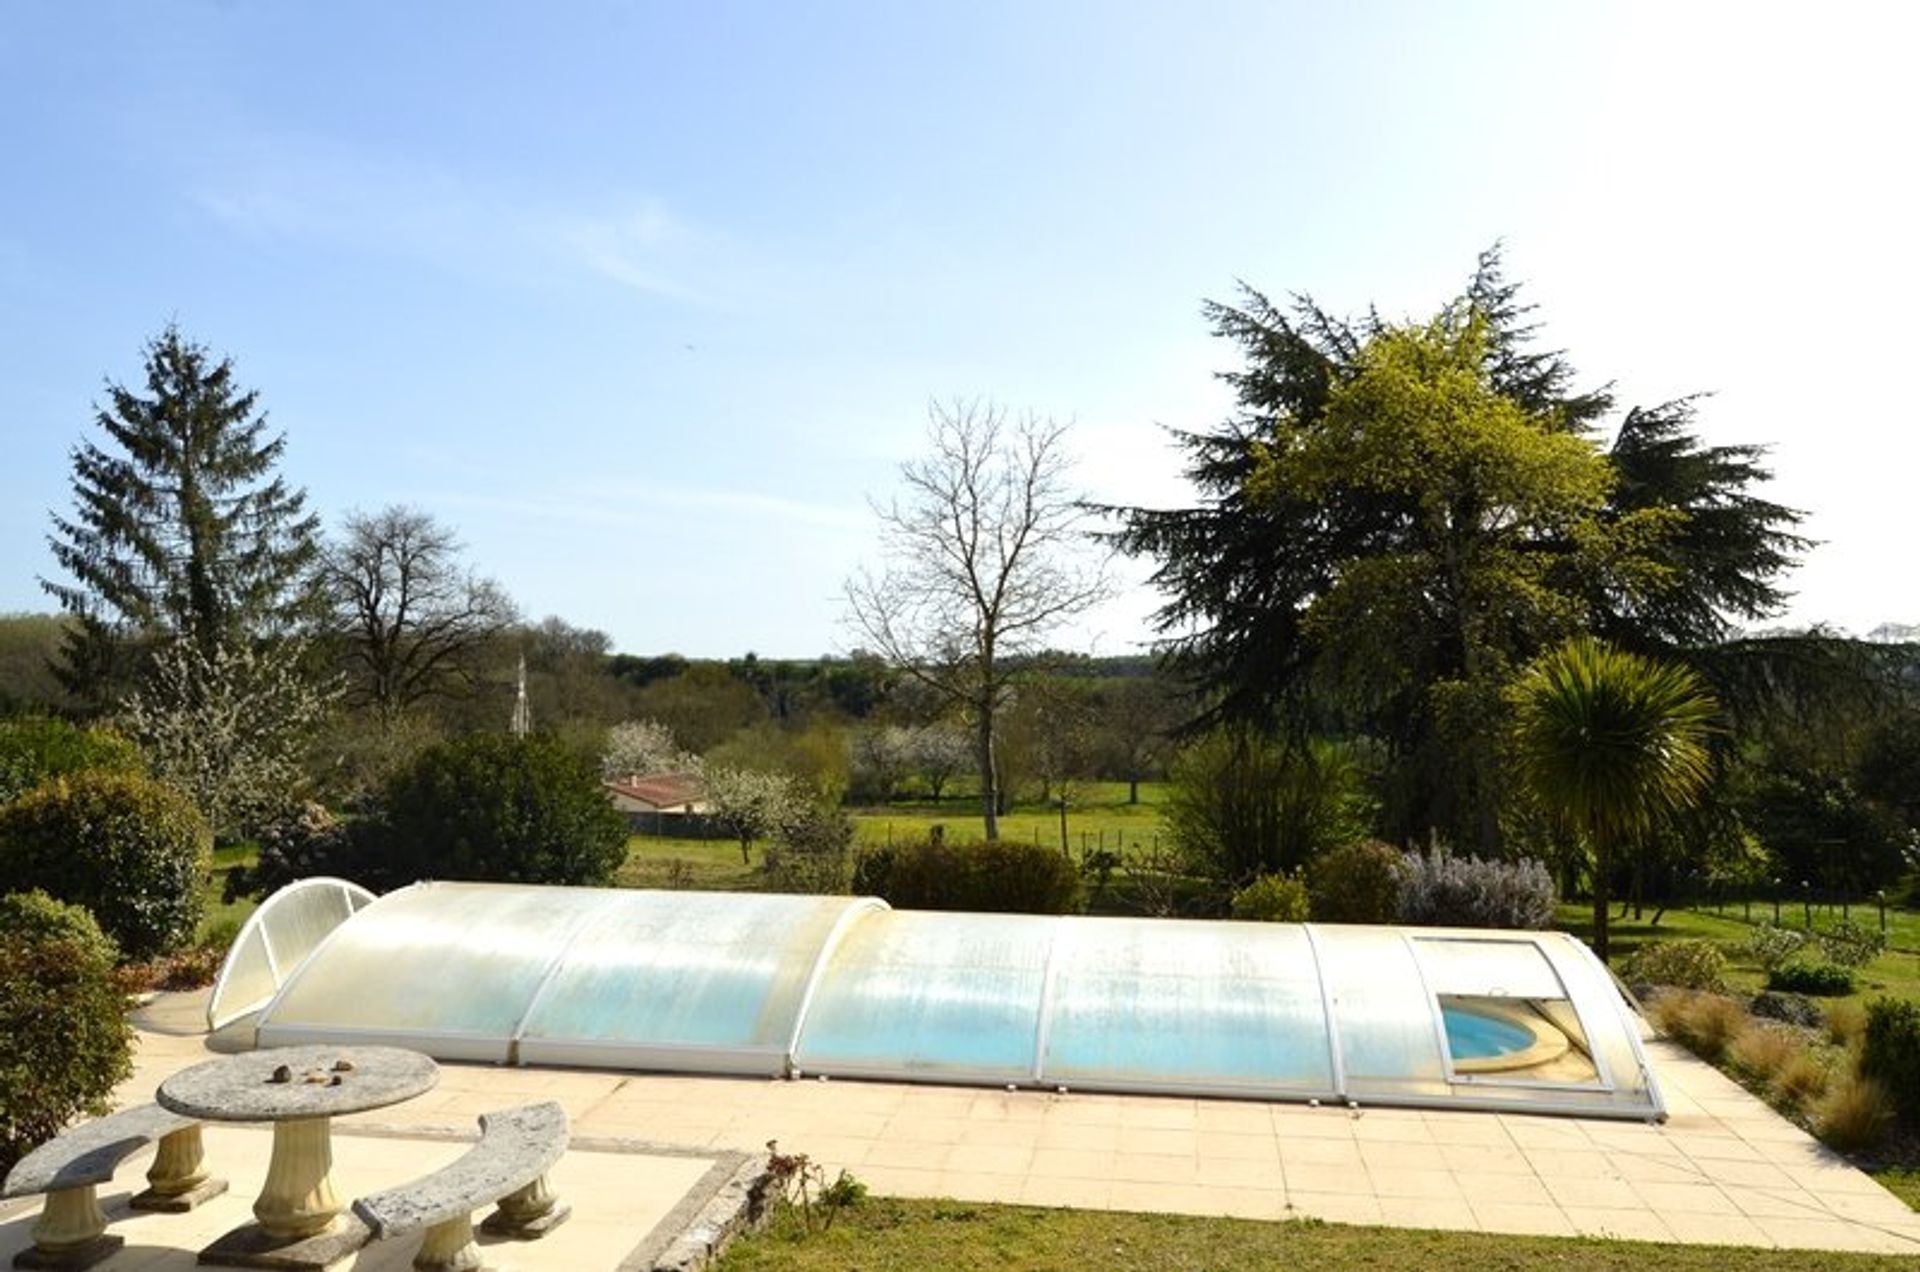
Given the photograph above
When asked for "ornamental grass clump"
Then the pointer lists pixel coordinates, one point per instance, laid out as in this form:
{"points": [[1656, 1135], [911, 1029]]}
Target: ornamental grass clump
{"points": [[1801, 1080], [1761, 1050], [1703, 1023], [1855, 1112]]}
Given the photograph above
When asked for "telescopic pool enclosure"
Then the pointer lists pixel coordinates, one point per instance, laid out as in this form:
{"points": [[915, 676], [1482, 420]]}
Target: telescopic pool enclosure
{"points": [[777, 985]]}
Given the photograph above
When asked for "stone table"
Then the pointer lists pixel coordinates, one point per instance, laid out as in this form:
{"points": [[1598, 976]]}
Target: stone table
{"points": [[299, 1090]]}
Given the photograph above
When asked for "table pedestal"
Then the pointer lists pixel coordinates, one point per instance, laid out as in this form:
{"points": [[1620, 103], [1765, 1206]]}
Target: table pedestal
{"points": [[297, 1200]]}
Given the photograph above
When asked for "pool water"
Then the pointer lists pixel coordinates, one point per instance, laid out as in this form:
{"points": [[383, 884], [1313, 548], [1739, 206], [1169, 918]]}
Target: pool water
{"points": [[1472, 1036]]}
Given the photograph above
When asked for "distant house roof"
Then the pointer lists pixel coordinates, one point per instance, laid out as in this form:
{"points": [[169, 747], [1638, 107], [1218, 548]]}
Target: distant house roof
{"points": [[665, 792]]}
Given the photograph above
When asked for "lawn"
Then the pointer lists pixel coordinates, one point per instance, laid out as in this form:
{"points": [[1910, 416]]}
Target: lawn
{"points": [[1895, 972], [892, 1235]]}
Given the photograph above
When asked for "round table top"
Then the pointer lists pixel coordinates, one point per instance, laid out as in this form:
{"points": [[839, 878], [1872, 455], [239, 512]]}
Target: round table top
{"points": [[241, 1088]]}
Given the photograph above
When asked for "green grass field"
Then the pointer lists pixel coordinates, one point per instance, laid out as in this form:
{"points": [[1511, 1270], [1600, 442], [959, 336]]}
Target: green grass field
{"points": [[891, 1235]]}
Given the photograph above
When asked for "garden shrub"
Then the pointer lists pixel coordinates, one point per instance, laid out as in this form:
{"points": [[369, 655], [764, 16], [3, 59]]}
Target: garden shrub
{"points": [[306, 841], [811, 851], [1274, 898], [1441, 890], [1852, 944], [1771, 945], [1801, 1080], [37, 748], [1761, 1049], [1358, 882], [1002, 877], [491, 806], [64, 1037], [1687, 964], [1890, 1052], [1828, 980], [131, 850], [1241, 804], [1791, 1009]]}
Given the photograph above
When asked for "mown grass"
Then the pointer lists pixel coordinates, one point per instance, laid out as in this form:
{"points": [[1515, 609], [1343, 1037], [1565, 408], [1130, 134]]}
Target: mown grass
{"points": [[1895, 973], [894, 1235]]}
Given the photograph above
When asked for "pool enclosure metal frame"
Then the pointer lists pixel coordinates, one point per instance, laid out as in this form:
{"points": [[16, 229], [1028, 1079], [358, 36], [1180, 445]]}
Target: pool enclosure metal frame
{"points": [[738, 984]]}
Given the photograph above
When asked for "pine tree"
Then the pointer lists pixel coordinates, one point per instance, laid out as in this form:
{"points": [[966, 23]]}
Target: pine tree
{"points": [[181, 527]]}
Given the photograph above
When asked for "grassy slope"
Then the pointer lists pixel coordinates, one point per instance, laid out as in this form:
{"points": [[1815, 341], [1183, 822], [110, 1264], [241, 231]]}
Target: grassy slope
{"points": [[889, 1235]]}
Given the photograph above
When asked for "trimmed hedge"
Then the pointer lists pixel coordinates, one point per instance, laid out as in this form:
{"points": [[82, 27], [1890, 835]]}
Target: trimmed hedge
{"points": [[36, 748], [64, 1037], [131, 850], [1890, 1052], [490, 806], [1002, 877]]}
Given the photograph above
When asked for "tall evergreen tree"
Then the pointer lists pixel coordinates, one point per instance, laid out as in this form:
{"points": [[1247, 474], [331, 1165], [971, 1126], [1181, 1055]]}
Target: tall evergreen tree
{"points": [[181, 527], [1680, 549]]}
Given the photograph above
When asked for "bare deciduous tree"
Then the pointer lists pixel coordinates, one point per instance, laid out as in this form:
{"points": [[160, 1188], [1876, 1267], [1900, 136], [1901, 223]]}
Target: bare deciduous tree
{"points": [[411, 616], [985, 554]]}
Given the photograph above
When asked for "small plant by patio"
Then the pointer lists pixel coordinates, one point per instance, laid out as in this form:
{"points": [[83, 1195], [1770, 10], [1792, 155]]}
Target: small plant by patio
{"points": [[801, 1184], [64, 1037]]}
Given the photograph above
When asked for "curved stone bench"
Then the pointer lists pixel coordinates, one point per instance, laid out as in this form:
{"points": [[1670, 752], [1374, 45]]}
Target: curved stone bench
{"points": [[509, 1165], [72, 1229]]}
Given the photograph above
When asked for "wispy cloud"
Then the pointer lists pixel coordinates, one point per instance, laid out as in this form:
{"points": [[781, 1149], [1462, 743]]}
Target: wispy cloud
{"points": [[322, 192]]}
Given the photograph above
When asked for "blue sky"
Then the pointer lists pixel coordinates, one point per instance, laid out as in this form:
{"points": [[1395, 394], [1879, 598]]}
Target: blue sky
{"points": [[646, 300]]}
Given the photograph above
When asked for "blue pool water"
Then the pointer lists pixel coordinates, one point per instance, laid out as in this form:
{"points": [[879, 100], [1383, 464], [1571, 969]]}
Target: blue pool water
{"points": [[1472, 1036]]}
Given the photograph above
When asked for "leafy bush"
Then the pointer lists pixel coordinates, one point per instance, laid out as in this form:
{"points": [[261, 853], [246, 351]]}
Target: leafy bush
{"points": [[132, 851], [1852, 944], [36, 748], [811, 851], [1000, 877], [1686, 964], [1771, 945], [1274, 898], [1356, 883], [496, 807], [64, 1037], [1890, 1051], [1791, 1009], [1828, 980], [1240, 805], [303, 842], [1440, 890]]}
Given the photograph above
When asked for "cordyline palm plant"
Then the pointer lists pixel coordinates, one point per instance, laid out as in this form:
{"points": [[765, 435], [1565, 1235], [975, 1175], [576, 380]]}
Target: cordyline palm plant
{"points": [[1614, 743]]}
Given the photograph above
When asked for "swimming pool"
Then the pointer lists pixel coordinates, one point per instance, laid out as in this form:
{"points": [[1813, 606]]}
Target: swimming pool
{"points": [[1487, 1036]]}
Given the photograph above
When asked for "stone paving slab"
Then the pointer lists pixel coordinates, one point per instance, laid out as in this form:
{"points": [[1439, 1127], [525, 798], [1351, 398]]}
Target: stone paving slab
{"points": [[1723, 1169]]}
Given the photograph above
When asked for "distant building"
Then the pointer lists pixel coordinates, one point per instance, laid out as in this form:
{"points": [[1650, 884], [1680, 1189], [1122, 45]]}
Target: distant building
{"points": [[660, 803]]}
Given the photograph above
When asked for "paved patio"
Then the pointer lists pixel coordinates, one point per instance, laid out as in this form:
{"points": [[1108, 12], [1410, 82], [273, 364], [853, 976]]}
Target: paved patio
{"points": [[1725, 1169]]}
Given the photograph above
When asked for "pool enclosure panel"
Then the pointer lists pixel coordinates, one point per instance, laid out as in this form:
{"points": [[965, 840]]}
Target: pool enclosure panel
{"points": [[275, 940], [759, 983]]}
